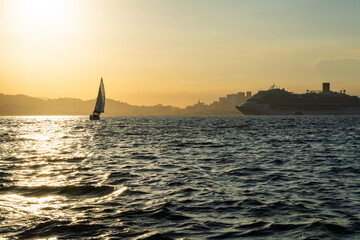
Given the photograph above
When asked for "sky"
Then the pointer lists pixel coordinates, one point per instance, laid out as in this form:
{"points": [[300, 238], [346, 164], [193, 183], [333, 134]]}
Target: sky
{"points": [[176, 52]]}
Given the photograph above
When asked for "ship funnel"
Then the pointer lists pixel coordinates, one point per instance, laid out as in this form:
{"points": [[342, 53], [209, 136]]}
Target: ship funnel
{"points": [[326, 87]]}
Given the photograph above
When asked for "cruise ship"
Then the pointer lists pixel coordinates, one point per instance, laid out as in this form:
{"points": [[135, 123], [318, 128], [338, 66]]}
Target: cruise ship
{"points": [[276, 101]]}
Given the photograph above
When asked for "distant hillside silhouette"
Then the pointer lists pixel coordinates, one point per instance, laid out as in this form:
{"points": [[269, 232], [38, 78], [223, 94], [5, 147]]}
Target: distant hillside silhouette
{"points": [[15, 105]]}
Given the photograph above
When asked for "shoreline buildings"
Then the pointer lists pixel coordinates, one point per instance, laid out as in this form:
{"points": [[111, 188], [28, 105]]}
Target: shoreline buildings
{"points": [[224, 106]]}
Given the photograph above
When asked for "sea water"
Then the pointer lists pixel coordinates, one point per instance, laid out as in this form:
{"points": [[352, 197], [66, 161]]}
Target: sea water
{"points": [[180, 177]]}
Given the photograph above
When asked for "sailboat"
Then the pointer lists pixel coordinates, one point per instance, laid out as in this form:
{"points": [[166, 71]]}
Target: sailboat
{"points": [[100, 102]]}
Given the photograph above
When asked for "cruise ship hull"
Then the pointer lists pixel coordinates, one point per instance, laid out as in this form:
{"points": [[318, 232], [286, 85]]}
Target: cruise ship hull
{"points": [[265, 109]]}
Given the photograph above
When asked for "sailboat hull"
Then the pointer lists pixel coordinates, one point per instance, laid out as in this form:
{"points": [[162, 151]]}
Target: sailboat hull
{"points": [[94, 117]]}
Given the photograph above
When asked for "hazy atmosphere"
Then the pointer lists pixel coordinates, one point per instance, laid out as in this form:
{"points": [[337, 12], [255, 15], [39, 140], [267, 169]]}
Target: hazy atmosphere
{"points": [[176, 52], [179, 119]]}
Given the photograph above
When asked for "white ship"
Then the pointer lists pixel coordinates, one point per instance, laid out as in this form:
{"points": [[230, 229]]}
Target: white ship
{"points": [[278, 101]]}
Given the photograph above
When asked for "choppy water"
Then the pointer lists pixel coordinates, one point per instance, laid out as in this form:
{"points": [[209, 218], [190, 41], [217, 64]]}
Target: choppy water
{"points": [[180, 177]]}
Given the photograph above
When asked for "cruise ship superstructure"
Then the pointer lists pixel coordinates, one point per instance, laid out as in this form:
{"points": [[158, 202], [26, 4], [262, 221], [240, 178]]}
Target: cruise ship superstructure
{"points": [[276, 101]]}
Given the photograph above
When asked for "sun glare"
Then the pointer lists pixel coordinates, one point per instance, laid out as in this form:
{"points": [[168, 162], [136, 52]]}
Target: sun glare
{"points": [[38, 18], [40, 14]]}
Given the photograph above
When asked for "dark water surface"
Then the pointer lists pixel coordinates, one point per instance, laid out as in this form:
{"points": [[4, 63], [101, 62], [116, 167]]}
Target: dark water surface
{"points": [[180, 177]]}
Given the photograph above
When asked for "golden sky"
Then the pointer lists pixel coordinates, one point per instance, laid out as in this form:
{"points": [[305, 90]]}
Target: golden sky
{"points": [[176, 52]]}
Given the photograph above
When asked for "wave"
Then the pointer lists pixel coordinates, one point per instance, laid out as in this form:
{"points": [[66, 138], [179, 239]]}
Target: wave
{"points": [[303, 230], [66, 229], [141, 156], [69, 159], [159, 212], [68, 191], [116, 178]]}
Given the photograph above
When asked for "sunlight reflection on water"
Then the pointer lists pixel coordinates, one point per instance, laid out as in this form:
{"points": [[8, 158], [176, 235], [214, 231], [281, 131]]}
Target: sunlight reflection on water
{"points": [[19, 206]]}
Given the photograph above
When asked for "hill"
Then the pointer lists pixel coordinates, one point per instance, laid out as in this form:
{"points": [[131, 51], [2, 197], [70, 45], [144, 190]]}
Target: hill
{"points": [[15, 105]]}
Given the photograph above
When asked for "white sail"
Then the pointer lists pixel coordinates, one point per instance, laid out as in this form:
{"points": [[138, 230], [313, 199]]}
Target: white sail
{"points": [[100, 101]]}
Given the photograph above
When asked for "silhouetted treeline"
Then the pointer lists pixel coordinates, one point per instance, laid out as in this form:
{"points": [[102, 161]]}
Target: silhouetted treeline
{"points": [[14, 105]]}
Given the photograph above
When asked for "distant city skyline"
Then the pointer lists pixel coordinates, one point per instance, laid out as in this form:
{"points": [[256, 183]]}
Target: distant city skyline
{"points": [[176, 52], [15, 105], [232, 98]]}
